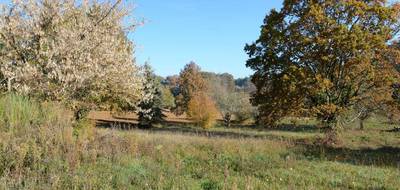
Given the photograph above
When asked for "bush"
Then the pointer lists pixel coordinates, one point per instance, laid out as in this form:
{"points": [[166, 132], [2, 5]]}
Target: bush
{"points": [[210, 185], [203, 111]]}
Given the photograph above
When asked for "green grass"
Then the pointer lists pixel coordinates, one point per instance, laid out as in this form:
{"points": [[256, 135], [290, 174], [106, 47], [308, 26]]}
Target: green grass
{"points": [[44, 151]]}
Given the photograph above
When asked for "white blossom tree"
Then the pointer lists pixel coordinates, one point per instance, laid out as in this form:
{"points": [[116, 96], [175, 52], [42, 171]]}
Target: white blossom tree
{"points": [[76, 52], [149, 108]]}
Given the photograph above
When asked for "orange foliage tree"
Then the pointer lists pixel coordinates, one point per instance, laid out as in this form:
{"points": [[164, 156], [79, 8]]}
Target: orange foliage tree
{"points": [[202, 110], [190, 82], [322, 57]]}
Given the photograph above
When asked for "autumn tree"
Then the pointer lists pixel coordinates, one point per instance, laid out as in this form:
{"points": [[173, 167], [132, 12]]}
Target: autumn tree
{"points": [[190, 83], [172, 82], [379, 102], [321, 57], [393, 57], [202, 110], [68, 51]]}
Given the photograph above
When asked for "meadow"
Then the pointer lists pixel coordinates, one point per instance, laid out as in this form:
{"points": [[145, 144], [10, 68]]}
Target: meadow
{"points": [[42, 148], [318, 107]]}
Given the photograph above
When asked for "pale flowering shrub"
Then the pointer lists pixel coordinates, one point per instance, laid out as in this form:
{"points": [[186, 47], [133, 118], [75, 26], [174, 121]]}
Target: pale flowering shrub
{"points": [[76, 52], [149, 107]]}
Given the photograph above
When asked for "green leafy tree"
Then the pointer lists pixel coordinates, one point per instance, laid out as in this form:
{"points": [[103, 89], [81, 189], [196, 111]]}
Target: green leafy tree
{"points": [[168, 99], [321, 56], [236, 106]]}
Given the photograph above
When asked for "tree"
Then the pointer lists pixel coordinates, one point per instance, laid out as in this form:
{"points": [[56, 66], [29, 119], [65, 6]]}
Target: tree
{"points": [[393, 57], [76, 53], [202, 110], [245, 85], [172, 82], [379, 102], [168, 99], [150, 105], [236, 106], [190, 83], [322, 57], [232, 101], [220, 87]]}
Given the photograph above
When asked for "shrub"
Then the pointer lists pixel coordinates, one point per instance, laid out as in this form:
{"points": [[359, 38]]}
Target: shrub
{"points": [[210, 185], [203, 111]]}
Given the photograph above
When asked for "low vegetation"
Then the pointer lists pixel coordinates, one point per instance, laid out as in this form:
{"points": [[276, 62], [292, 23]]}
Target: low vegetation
{"points": [[40, 148]]}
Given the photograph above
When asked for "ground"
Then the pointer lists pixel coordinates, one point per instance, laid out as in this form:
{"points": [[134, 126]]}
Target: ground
{"points": [[173, 156], [46, 152]]}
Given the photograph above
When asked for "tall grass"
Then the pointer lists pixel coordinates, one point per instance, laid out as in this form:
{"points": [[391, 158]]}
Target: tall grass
{"points": [[18, 111], [40, 149]]}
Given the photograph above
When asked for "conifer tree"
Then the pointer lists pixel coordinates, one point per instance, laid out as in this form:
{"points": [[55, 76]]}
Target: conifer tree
{"points": [[149, 108]]}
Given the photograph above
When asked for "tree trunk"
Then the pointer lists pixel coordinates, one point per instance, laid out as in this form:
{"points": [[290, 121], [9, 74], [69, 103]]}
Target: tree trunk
{"points": [[331, 132], [80, 114], [228, 119], [361, 123], [9, 85]]}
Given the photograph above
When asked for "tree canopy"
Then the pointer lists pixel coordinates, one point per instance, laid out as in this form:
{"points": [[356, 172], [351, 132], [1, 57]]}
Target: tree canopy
{"points": [[190, 83], [321, 57], [76, 53]]}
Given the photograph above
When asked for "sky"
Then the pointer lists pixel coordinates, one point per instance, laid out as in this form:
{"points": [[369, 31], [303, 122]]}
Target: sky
{"points": [[212, 33]]}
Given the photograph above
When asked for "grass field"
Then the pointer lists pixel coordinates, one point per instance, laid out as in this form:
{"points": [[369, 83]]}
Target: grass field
{"points": [[40, 148]]}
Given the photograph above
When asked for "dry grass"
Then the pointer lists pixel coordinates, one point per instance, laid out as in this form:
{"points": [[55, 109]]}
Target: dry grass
{"points": [[52, 154]]}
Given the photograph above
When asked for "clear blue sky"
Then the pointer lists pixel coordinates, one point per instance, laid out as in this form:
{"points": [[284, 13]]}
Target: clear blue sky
{"points": [[212, 33]]}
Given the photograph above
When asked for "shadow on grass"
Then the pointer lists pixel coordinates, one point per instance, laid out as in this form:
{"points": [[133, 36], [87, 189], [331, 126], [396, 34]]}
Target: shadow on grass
{"points": [[395, 130], [245, 132], [116, 125], [282, 127], [296, 128], [383, 156]]}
